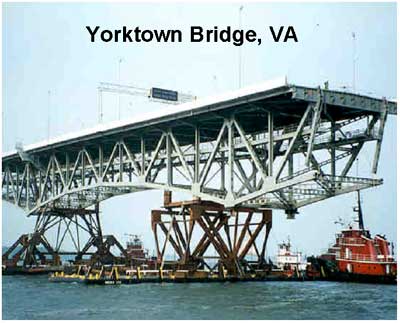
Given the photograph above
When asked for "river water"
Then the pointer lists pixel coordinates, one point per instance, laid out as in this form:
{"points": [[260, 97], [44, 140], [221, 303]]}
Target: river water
{"points": [[27, 297]]}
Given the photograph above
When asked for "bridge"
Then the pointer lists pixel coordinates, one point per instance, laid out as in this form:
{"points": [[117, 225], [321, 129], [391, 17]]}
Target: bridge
{"points": [[272, 146]]}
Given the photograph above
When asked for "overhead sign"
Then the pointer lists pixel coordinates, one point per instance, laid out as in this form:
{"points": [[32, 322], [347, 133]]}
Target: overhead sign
{"points": [[163, 94]]}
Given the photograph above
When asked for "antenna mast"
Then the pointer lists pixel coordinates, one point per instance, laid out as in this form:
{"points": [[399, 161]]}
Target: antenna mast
{"points": [[359, 210]]}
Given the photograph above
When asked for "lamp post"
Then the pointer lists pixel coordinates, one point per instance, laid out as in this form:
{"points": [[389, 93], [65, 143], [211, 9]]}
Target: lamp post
{"points": [[119, 83], [353, 35], [240, 48], [100, 102], [48, 114]]}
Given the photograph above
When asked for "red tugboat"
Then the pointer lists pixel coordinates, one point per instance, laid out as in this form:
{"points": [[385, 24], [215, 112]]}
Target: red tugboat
{"points": [[356, 256]]}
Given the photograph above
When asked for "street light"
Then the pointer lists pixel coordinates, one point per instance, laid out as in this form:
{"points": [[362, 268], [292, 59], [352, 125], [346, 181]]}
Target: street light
{"points": [[240, 47], [119, 82], [100, 102], [48, 114], [353, 35], [215, 83]]}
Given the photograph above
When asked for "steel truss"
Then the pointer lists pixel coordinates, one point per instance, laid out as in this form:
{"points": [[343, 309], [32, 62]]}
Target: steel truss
{"points": [[80, 226], [238, 237], [217, 161]]}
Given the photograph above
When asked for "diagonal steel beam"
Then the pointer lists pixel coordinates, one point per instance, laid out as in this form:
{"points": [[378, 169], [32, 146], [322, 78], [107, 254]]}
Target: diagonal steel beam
{"points": [[210, 159], [354, 153], [294, 139], [180, 156], [130, 157], [250, 149], [317, 109], [383, 117], [154, 157]]}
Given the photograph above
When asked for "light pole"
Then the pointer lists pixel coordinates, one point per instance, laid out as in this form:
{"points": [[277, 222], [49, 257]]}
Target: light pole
{"points": [[215, 83], [240, 48], [119, 83], [354, 60], [48, 114], [100, 102]]}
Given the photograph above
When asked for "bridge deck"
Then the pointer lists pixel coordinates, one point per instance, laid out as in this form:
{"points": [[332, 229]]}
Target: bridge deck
{"points": [[236, 149], [250, 105]]}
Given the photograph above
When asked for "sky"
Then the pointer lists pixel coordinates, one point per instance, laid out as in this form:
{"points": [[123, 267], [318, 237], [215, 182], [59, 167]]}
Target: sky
{"points": [[51, 72]]}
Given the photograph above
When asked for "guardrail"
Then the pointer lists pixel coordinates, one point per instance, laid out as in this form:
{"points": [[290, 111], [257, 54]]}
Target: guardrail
{"points": [[351, 241], [362, 257]]}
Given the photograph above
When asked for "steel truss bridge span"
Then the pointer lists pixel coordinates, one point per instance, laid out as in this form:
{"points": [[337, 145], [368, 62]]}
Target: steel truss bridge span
{"points": [[277, 145]]}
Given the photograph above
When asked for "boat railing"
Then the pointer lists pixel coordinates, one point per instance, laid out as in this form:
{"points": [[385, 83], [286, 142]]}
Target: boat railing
{"points": [[362, 257], [351, 241]]}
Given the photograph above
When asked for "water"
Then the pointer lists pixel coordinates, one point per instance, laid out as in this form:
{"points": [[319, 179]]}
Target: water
{"points": [[27, 297]]}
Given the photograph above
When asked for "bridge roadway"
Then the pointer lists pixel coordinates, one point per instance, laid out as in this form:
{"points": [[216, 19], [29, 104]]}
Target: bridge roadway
{"points": [[236, 149]]}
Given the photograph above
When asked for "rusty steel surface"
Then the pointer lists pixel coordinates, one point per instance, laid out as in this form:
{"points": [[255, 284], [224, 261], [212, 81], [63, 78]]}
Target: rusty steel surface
{"points": [[233, 235]]}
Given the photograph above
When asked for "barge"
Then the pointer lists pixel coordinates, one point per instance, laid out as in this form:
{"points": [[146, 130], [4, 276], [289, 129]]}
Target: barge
{"points": [[168, 276], [32, 270]]}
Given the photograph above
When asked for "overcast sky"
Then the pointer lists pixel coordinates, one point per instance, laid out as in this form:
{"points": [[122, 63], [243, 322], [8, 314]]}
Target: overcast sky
{"points": [[46, 47]]}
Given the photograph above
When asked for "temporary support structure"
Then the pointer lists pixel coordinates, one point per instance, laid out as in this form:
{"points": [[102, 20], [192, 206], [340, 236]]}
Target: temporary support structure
{"points": [[238, 236], [66, 225]]}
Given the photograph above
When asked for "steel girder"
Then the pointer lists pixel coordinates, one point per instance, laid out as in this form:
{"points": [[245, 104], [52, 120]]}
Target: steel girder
{"points": [[231, 168]]}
